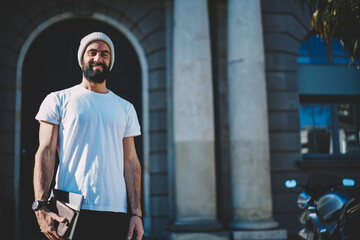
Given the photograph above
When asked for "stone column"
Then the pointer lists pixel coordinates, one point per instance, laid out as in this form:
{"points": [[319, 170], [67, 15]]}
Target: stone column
{"points": [[248, 119], [193, 115]]}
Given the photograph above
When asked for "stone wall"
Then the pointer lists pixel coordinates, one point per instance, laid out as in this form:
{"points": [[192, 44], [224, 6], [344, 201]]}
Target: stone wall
{"points": [[285, 28]]}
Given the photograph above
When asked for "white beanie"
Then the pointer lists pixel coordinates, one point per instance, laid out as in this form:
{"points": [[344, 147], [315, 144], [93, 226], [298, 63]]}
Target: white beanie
{"points": [[93, 37]]}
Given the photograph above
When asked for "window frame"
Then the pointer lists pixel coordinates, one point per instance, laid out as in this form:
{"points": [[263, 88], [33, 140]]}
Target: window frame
{"points": [[335, 159]]}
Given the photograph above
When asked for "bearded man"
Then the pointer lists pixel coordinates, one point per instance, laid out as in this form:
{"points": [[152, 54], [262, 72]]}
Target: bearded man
{"points": [[93, 131]]}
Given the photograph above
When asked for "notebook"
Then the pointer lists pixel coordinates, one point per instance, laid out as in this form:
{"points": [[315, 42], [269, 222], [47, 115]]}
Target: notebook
{"points": [[68, 205]]}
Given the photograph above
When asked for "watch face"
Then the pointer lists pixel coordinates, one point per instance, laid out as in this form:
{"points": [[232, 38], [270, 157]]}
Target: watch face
{"points": [[37, 205]]}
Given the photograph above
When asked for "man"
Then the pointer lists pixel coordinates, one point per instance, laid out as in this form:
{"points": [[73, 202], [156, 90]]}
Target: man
{"points": [[93, 131]]}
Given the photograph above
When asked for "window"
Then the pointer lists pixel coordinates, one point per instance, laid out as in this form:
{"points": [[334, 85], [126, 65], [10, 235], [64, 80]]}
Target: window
{"points": [[329, 108], [331, 129], [316, 51]]}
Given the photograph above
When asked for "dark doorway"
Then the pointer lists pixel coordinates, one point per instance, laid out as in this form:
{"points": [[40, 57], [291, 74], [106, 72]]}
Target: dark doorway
{"points": [[51, 65]]}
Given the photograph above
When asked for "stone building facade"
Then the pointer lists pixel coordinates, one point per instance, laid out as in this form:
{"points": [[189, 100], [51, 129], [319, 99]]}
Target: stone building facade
{"points": [[215, 86]]}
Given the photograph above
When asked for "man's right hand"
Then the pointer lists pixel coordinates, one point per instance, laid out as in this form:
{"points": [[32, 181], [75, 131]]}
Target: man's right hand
{"points": [[47, 222]]}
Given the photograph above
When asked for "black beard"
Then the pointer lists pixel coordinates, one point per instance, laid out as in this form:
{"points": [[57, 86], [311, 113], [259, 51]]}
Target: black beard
{"points": [[95, 76]]}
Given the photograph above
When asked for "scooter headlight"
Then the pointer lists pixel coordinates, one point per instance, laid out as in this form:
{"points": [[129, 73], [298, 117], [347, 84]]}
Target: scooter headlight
{"points": [[303, 200]]}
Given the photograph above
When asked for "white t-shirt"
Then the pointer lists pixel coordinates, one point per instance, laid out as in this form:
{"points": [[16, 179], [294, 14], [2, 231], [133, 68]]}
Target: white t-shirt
{"points": [[91, 130]]}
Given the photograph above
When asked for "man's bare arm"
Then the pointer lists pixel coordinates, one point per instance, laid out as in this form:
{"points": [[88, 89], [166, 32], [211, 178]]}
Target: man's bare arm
{"points": [[45, 160], [132, 171], [43, 174]]}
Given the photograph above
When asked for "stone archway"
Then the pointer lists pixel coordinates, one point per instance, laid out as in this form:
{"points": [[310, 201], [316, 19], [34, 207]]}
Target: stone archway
{"points": [[38, 63]]}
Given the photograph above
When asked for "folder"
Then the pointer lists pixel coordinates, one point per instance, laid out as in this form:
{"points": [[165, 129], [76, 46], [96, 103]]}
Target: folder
{"points": [[68, 205]]}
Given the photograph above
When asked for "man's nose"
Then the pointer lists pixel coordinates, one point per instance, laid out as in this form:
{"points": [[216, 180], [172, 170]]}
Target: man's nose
{"points": [[97, 58]]}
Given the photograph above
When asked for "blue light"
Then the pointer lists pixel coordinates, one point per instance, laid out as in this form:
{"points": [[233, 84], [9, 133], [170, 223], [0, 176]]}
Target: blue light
{"points": [[348, 182], [290, 183]]}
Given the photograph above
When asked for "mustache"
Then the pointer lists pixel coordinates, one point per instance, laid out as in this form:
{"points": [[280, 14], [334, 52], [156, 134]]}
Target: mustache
{"points": [[97, 64]]}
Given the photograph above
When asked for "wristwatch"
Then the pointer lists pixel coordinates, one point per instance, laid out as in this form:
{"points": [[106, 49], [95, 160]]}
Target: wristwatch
{"points": [[38, 204]]}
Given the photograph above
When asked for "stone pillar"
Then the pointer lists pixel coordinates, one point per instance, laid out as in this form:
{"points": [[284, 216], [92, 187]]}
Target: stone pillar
{"points": [[248, 119], [193, 115]]}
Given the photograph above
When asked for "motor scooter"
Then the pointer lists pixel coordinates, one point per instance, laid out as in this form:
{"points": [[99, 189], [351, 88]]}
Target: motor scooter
{"points": [[330, 208]]}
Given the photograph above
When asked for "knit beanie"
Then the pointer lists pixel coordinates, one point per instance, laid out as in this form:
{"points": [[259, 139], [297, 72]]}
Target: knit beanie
{"points": [[93, 37]]}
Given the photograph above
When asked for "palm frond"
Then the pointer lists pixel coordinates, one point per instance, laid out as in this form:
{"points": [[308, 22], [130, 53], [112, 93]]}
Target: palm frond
{"points": [[339, 19]]}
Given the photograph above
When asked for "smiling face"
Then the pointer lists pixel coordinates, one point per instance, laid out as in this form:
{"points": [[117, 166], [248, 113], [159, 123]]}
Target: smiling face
{"points": [[96, 62]]}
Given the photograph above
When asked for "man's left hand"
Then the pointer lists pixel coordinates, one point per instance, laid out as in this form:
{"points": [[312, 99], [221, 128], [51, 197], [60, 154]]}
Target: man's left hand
{"points": [[137, 227]]}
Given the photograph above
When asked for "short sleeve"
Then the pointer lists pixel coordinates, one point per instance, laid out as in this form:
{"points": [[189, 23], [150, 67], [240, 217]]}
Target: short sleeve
{"points": [[132, 125], [49, 110]]}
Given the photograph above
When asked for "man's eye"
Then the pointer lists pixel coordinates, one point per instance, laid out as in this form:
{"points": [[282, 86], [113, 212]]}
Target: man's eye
{"points": [[105, 55]]}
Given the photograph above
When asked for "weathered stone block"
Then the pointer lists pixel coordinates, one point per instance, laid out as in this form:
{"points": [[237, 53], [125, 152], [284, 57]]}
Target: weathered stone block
{"points": [[33, 11], [158, 227], [121, 6], [283, 161], [157, 59], [7, 165], [278, 61], [121, 17], [7, 140], [158, 120], [158, 184], [284, 120], [13, 18], [285, 6], [154, 41], [7, 217], [286, 202], [11, 39], [157, 79], [7, 99], [273, 22], [11, 57], [159, 206], [7, 119], [281, 42], [138, 10], [158, 100], [289, 221], [158, 141], [158, 163], [286, 141], [282, 81], [200, 236], [283, 101], [8, 78], [278, 234], [103, 6], [154, 20], [7, 188], [51, 8]]}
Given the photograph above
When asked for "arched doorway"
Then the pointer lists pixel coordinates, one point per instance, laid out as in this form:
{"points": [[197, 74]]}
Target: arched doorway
{"points": [[50, 65]]}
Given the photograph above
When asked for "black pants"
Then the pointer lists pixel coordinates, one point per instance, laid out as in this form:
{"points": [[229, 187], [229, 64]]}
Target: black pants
{"points": [[93, 225]]}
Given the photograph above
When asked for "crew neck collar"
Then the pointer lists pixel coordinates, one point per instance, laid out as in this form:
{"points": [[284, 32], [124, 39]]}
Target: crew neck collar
{"points": [[90, 91]]}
